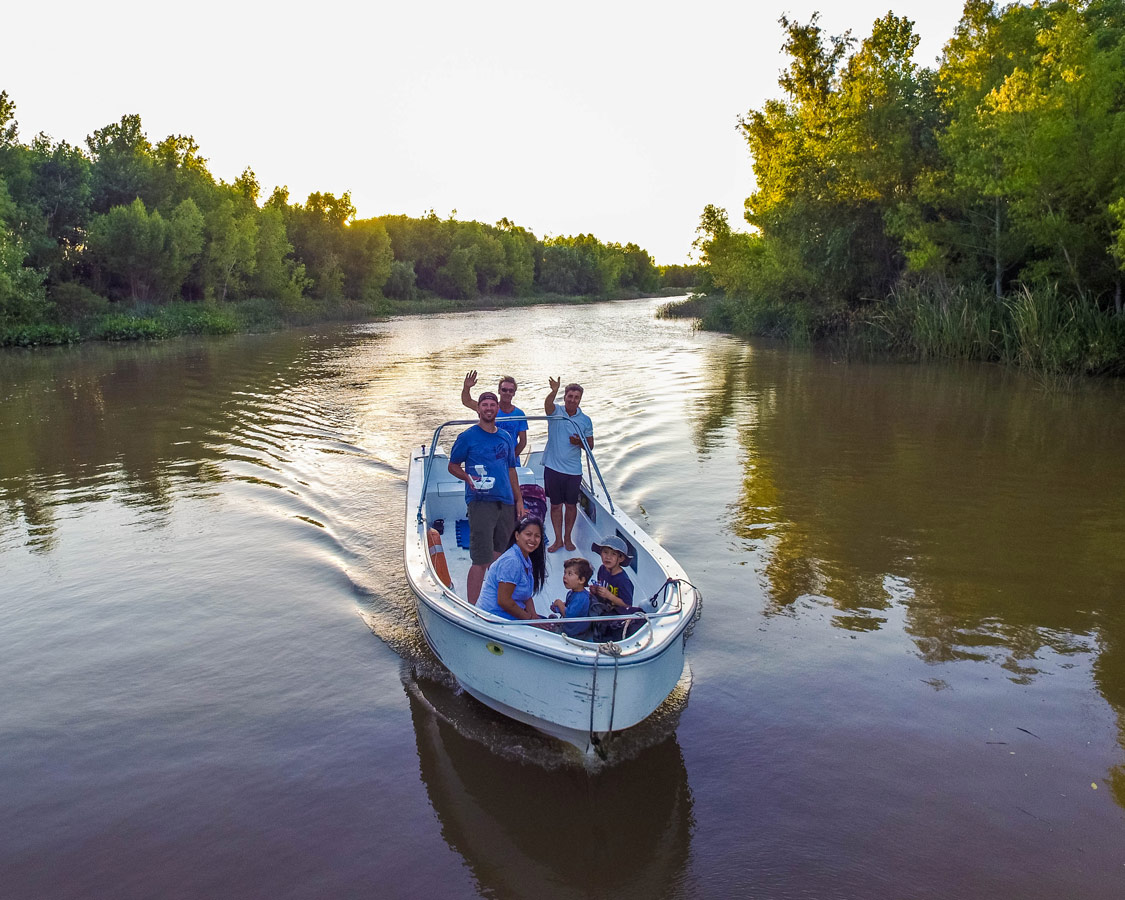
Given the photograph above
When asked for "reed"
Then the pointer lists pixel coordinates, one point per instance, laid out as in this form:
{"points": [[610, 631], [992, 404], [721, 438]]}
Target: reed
{"points": [[1057, 334], [948, 323], [693, 307], [1036, 327]]}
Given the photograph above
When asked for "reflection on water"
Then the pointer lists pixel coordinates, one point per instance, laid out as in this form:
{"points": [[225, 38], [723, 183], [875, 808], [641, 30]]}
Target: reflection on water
{"points": [[144, 422], [525, 830], [914, 622], [993, 513]]}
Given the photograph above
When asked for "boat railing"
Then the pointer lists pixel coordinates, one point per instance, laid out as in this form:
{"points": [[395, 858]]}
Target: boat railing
{"points": [[646, 629], [675, 585], [591, 463], [450, 594], [499, 621]]}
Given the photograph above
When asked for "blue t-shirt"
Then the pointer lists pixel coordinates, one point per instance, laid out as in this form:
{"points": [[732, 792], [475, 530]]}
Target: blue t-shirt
{"points": [[618, 584], [577, 606], [511, 567], [513, 426], [495, 451], [560, 454]]}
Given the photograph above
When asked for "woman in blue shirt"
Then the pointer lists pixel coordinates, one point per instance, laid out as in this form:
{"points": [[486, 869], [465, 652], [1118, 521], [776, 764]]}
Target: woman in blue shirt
{"points": [[517, 574]]}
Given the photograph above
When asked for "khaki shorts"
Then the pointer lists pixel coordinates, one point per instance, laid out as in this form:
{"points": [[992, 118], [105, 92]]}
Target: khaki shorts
{"points": [[491, 524]]}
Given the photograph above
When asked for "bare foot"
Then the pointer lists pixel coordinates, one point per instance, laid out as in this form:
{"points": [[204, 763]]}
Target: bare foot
{"points": [[570, 545], [555, 546]]}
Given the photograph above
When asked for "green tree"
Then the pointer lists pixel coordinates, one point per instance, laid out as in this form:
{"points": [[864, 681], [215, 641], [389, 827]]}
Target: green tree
{"points": [[735, 263], [402, 282], [246, 186], [276, 274], [15, 163], [183, 245], [637, 269], [1062, 130], [519, 261], [837, 156], [458, 277], [22, 298], [489, 258], [123, 164], [231, 250], [426, 243], [9, 129], [179, 173], [60, 192], [579, 264], [681, 276], [366, 259], [148, 255], [959, 223], [316, 230], [128, 244]]}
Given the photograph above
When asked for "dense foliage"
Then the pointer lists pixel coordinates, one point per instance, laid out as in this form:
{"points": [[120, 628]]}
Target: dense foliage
{"points": [[126, 238], [888, 192]]}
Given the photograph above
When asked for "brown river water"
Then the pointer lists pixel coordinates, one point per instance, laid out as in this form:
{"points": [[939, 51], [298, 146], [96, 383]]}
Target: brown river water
{"points": [[908, 680]]}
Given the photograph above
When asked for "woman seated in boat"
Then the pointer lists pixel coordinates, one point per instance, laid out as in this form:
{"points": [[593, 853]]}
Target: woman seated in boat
{"points": [[517, 574]]}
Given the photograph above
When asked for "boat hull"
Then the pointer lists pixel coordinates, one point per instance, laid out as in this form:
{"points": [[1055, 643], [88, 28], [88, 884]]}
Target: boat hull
{"points": [[569, 698]]}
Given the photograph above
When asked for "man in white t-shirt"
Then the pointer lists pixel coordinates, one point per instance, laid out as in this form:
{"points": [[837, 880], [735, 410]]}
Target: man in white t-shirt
{"points": [[562, 460]]}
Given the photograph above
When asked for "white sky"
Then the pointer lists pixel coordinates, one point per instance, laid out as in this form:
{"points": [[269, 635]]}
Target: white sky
{"points": [[613, 118]]}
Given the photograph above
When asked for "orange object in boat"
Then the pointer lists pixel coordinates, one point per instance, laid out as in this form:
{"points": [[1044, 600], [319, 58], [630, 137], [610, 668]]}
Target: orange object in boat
{"points": [[437, 557]]}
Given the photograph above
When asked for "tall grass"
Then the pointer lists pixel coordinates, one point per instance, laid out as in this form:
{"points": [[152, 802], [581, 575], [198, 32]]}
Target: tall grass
{"points": [[1037, 328], [957, 323], [692, 307]]}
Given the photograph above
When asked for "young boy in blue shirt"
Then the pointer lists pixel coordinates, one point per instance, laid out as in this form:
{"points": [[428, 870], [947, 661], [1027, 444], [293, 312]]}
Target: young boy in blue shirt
{"points": [[576, 575]]}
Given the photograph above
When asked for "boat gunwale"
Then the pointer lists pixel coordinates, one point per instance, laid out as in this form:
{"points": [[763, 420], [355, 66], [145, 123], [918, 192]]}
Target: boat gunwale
{"points": [[585, 659]]}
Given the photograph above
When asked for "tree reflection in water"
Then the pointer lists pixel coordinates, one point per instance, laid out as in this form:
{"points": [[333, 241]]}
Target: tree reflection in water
{"points": [[986, 510], [140, 422]]}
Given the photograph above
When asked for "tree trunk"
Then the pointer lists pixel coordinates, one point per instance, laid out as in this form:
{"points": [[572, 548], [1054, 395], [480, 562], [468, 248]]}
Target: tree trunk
{"points": [[997, 263]]}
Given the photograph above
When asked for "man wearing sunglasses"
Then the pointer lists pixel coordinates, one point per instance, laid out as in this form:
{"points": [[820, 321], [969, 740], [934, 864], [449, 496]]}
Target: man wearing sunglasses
{"points": [[517, 427]]}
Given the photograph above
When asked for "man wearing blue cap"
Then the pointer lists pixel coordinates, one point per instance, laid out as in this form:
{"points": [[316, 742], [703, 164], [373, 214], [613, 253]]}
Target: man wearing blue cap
{"points": [[492, 491]]}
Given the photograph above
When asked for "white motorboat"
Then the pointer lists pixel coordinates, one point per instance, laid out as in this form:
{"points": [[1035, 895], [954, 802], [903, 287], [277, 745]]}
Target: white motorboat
{"points": [[578, 691]]}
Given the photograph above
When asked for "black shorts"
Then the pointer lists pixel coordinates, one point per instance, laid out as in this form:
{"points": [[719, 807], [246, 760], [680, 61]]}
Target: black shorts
{"points": [[560, 487]]}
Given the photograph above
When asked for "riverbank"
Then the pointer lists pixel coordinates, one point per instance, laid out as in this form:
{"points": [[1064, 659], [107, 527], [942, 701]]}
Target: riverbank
{"points": [[148, 321], [1038, 329]]}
